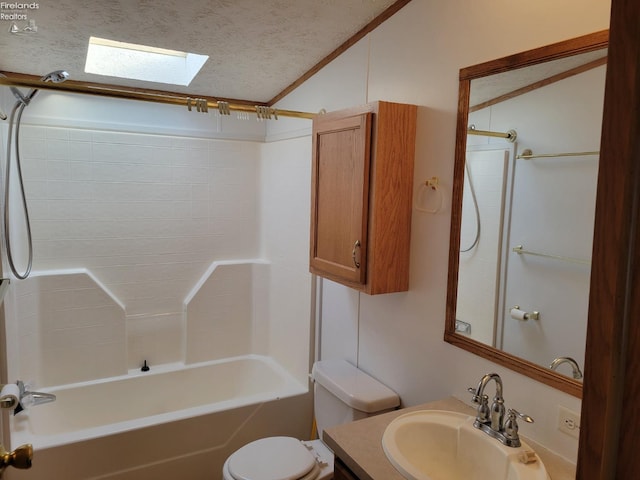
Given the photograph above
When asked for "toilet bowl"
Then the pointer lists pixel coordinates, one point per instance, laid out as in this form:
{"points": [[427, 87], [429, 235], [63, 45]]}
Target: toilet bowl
{"points": [[280, 458], [342, 393]]}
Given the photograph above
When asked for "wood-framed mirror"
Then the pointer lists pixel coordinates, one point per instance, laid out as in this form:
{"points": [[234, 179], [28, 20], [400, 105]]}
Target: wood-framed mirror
{"points": [[523, 208]]}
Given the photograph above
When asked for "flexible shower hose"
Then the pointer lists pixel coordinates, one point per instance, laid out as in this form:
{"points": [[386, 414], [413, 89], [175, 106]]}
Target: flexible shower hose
{"points": [[19, 108], [475, 205]]}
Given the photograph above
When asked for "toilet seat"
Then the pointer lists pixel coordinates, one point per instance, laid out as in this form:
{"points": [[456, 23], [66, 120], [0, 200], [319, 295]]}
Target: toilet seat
{"points": [[272, 458]]}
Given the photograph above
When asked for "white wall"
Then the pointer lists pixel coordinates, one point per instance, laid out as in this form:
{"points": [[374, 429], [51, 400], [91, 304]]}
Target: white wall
{"points": [[415, 57], [284, 205]]}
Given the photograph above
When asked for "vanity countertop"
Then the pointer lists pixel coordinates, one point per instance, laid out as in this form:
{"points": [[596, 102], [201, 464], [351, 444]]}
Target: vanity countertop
{"points": [[359, 444]]}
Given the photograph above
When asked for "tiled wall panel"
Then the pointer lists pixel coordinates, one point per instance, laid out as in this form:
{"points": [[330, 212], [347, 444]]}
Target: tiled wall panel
{"points": [[146, 215]]}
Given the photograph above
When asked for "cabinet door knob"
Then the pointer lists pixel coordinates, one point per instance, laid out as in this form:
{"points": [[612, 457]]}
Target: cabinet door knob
{"points": [[353, 253]]}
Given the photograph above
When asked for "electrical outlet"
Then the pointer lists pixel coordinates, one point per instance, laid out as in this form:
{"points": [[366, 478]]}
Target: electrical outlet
{"points": [[568, 421]]}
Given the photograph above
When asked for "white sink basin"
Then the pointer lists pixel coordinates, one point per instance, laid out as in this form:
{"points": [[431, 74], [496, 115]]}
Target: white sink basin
{"points": [[440, 445]]}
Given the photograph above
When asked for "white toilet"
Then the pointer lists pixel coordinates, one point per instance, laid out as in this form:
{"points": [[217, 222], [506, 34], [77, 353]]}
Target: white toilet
{"points": [[342, 393]]}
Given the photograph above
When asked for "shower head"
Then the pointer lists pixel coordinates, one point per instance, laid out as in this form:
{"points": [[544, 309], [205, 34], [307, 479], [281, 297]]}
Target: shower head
{"points": [[58, 76]]}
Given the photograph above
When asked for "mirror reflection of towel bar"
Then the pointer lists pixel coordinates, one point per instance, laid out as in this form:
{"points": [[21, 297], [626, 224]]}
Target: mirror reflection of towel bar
{"points": [[519, 249], [528, 154]]}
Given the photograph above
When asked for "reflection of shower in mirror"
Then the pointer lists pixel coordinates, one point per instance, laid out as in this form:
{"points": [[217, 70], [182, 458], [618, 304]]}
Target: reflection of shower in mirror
{"points": [[468, 186], [543, 200], [484, 208]]}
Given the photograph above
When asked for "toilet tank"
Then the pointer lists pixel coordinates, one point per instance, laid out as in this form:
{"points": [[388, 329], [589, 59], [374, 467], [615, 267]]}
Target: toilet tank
{"points": [[343, 393]]}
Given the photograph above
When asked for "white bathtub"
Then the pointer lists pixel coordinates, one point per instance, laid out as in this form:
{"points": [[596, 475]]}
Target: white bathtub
{"points": [[164, 394]]}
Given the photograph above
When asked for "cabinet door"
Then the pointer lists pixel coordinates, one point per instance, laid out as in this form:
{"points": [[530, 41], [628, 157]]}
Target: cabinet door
{"points": [[340, 197], [342, 472]]}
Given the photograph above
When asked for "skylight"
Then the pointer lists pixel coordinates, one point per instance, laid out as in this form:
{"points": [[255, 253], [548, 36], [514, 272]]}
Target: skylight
{"points": [[140, 62]]}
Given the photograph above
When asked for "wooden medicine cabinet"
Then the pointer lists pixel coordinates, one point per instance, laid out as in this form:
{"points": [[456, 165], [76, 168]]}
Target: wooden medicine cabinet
{"points": [[361, 196]]}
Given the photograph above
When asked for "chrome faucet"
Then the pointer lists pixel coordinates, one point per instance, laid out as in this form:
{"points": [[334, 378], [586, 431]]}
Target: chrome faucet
{"points": [[29, 398], [577, 374], [491, 419], [496, 412]]}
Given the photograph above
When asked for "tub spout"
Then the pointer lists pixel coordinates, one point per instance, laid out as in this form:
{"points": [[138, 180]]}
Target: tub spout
{"points": [[31, 399], [37, 398]]}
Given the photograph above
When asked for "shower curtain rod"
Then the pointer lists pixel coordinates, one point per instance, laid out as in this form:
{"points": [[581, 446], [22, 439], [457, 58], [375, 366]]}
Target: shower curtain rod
{"points": [[200, 104]]}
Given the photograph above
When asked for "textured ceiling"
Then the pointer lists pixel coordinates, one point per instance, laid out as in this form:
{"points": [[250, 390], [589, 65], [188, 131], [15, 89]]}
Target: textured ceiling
{"points": [[256, 48]]}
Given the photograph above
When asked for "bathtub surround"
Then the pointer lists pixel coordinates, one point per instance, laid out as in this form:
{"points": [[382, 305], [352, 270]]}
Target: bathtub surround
{"points": [[71, 328], [220, 322], [147, 216], [177, 248]]}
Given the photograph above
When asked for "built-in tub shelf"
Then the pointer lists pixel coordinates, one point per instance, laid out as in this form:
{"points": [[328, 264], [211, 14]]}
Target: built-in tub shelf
{"points": [[4, 285]]}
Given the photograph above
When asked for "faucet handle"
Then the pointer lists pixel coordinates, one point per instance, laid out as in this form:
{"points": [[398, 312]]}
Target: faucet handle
{"points": [[514, 413], [511, 426], [483, 405], [474, 398]]}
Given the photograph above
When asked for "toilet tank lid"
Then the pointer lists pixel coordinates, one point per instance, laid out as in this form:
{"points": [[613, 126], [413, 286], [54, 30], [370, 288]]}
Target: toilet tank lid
{"points": [[354, 387]]}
